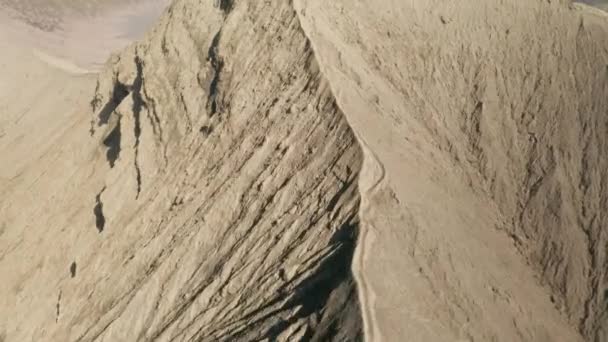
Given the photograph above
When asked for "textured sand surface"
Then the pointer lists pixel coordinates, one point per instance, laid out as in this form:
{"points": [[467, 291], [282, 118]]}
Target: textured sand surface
{"points": [[492, 142], [304, 170]]}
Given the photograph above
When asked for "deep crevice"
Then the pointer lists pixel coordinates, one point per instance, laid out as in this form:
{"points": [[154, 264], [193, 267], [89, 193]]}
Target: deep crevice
{"points": [[217, 64], [119, 93], [112, 142], [73, 269], [224, 5], [138, 104], [100, 220], [95, 103], [57, 308]]}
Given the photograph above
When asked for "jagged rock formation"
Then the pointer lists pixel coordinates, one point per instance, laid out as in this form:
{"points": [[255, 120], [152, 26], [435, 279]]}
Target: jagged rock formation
{"points": [[216, 181]]}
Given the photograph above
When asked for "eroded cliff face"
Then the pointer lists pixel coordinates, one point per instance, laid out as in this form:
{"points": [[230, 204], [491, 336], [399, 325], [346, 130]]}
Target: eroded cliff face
{"points": [[251, 170], [221, 202]]}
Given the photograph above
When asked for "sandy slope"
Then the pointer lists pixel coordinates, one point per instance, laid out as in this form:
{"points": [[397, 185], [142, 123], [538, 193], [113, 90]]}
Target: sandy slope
{"points": [[483, 130], [41, 115], [176, 199], [202, 188]]}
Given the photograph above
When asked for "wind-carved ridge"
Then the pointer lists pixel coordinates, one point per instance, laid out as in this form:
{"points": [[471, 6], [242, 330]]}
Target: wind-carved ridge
{"points": [[356, 230]]}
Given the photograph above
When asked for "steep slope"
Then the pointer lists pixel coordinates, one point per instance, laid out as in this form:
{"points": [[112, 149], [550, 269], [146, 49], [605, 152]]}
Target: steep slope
{"points": [[212, 197], [490, 121]]}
